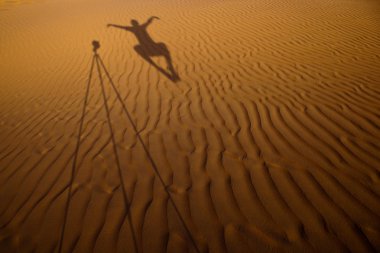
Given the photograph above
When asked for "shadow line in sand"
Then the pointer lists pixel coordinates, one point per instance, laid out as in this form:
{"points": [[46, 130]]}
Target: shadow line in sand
{"points": [[148, 48], [95, 59], [101, 66], [75, 158]]}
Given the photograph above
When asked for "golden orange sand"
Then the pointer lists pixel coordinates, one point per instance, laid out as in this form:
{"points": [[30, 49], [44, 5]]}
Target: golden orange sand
{"points": [[270, 141]]}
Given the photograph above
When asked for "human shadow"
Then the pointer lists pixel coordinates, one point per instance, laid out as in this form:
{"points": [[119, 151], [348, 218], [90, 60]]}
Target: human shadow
{"points": [[148, 48]]}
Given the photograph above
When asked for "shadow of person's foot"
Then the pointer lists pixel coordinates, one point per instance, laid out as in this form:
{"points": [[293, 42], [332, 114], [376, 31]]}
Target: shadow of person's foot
{"points": [[175, 78]]}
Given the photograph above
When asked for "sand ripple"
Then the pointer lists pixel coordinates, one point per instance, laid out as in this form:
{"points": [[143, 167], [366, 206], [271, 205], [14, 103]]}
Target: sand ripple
{"points": [[270, 142]]}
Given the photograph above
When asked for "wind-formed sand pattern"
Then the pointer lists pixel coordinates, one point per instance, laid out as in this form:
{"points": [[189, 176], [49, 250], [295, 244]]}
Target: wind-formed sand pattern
{"points": [[268, 140]]}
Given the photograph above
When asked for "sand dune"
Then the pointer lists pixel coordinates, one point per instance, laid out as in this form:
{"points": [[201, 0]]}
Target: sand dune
{"points": [[269, 141]]}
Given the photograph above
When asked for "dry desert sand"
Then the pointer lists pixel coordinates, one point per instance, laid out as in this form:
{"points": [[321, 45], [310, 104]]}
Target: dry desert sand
{"points": [[267, 141]]}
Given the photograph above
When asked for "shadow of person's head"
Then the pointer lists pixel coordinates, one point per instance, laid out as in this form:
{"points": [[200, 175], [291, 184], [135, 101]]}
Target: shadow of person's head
{"points": [[134, 22]]}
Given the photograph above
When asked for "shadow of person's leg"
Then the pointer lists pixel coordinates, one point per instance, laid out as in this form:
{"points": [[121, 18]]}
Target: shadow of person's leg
{"points": [[140, 51], [169, 62]]}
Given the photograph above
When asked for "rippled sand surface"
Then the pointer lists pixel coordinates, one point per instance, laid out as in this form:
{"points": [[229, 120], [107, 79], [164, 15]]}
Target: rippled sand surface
{"points": [[267, 141]]}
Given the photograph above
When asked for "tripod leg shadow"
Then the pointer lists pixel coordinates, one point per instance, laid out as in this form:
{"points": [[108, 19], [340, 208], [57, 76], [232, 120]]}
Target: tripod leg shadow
{"points": [[96, 61], [100, 66], [75, 158], [150, 158]]}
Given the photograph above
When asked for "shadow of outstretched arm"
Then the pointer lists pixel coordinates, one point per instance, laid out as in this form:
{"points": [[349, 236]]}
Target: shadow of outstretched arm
{"points": [[150, 20], [128, 28]]}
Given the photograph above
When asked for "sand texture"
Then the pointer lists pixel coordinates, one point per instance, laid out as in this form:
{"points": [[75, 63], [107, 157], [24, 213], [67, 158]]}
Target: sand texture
{"points": [[264, 136]]}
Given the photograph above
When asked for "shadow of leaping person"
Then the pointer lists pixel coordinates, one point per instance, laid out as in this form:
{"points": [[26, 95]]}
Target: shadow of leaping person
{"points": [[147, 48]]}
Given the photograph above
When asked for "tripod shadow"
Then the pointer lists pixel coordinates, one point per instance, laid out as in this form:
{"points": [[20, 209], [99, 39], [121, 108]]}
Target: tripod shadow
{"points": [[102, 69], [97, 65], [148, 48]]}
